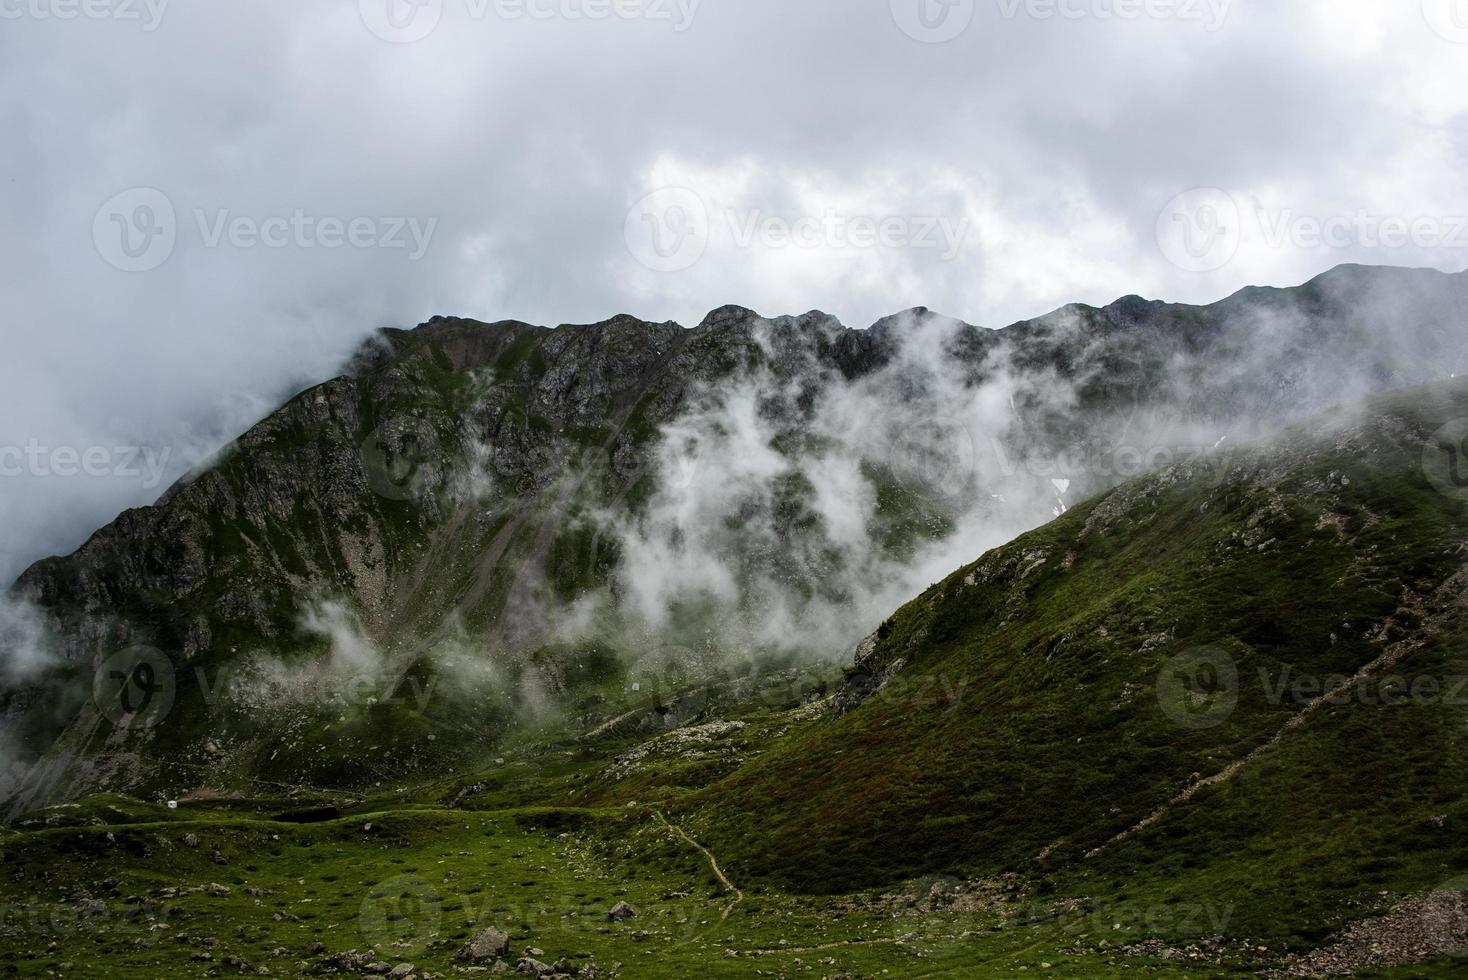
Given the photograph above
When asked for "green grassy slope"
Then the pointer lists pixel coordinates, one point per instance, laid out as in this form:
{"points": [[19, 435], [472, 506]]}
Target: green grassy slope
{"points": [[1067, 686]]}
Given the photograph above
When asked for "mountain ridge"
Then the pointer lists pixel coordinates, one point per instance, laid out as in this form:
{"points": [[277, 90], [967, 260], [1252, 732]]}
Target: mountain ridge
{"points": [[462, 479], [1206, 721], [370, 353]]}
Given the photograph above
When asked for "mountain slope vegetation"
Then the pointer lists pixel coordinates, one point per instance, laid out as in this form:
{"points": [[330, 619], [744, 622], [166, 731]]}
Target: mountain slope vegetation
{"points": [[1209, 722], [1241, 680], [481, 526]]}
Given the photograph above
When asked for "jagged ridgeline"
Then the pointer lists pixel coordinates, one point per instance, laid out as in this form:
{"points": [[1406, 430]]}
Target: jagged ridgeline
{"points": [[483, 525]]}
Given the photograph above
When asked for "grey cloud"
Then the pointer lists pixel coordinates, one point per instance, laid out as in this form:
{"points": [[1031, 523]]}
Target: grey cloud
{"points": [[526, 139]]}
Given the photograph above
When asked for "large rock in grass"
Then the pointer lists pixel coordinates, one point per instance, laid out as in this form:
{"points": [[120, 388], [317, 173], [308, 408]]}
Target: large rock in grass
{"points": [[488, 944]]}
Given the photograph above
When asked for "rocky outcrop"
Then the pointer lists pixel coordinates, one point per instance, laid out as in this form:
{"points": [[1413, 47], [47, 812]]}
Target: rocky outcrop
{"points": [[486, 945]]}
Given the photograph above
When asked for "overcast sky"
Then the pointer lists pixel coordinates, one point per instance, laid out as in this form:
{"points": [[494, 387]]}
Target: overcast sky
{"points": [[205, 204]]}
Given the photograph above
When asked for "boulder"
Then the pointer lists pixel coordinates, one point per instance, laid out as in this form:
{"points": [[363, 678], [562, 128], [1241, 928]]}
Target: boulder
{"points": [[488, 944]]}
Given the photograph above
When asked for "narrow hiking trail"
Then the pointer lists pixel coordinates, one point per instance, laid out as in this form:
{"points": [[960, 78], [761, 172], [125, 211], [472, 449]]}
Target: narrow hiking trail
{"points": [[1396, 653], [713, 864]]}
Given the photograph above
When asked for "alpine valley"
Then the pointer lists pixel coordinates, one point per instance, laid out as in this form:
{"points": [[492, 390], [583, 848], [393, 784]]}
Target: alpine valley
{"points": [[1124, 641]]}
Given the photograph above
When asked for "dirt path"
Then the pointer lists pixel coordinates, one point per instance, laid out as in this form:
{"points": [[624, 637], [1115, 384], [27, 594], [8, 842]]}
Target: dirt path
{"points": [[1394, 655], [713, 864], [844, 944]]}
